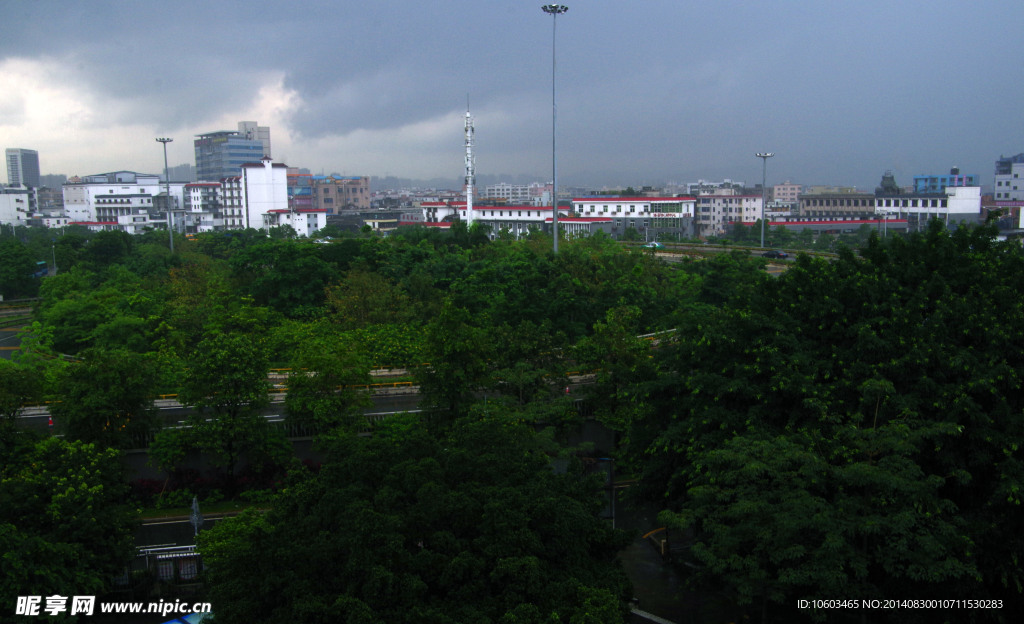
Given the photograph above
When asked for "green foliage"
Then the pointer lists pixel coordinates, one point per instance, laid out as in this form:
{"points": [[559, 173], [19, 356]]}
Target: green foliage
{"points": [[64, 528], [17, 266], [458, 351], [288, 276], [849, 424], [19, 385], [227, 375], [405, 527], [365, 298], [622, 361], [107, 398], [320, 393]]}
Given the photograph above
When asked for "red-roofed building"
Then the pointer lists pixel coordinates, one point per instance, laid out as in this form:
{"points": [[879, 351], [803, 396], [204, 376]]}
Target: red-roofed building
{"points": [[516, 220], [651, 217]]}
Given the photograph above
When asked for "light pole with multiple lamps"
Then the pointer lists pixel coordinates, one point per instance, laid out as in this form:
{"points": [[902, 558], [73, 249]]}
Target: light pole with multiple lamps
{"points": [[764, 189], [167, 191], [554, 10]]}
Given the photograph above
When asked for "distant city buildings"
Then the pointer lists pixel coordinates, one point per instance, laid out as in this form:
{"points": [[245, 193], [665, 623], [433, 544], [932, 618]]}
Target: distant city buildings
{"points": [[22, 167], [335, 194], [702, 187], [252, 131], [787, 193], [259, 199], [16, 205], [1009, 185], [221, 154], [938, 183], [120, 200], [651, 217], [518, 194]]}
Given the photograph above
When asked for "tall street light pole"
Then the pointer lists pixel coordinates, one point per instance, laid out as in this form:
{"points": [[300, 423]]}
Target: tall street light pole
{"points": [[167, 192], [554, 10], [764, 189]]}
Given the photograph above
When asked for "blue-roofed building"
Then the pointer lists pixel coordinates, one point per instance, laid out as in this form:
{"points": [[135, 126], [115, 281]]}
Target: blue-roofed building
{"points": [[938, 183]]}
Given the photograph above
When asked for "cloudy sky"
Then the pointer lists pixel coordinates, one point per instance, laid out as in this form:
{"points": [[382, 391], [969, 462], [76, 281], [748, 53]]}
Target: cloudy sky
{"points": [[649, 91]]}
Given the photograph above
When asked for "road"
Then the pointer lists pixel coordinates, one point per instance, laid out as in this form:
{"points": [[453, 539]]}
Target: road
{"points": [[405, 399]]}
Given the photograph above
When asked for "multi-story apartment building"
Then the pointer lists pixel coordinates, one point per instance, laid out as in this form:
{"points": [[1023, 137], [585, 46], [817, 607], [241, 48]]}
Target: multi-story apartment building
{"points": [[300, 189], [16, 205], [715, 213], [203, 207], [337, 194], [259, 199], [123, 200], [516, 194], [22, 167], [787, 193], [1009, 182], [221, 154]]}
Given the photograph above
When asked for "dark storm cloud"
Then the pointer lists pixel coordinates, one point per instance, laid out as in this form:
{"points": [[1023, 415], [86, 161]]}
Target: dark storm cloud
{"points": [[653, 90]]}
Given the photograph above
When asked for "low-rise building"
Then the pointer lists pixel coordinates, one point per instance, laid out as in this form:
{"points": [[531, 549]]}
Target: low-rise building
{"points": [[848, 204], [517, 220], [651, 217], [124, 200]]}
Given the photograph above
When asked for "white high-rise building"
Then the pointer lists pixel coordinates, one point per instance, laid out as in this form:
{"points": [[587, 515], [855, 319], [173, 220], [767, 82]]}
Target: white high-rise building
{"points": [[259, 199]]}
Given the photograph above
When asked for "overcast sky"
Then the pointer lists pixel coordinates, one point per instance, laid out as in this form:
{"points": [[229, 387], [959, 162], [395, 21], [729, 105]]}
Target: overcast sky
{"points": [[649, 91]]}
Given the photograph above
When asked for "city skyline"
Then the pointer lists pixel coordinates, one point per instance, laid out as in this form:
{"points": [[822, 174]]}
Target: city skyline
{"points": [[662, 92]]}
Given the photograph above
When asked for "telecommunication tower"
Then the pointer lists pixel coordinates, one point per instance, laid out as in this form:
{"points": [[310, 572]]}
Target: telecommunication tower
{"points": [[470, 168]]}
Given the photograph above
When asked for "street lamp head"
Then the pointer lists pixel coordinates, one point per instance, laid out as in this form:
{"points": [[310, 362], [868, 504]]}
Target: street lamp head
{"points": [[164, 140], [554, 9], [766, 155]]}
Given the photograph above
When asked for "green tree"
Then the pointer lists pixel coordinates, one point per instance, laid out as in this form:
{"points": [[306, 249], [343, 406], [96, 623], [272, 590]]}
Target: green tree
{"points": [[64, 526], [457, 369], [366, 298], [321, 390], [17, 266], [19, 385], [227, 377], [620, 362], [881, 391], [107, 399], [406, 527]]}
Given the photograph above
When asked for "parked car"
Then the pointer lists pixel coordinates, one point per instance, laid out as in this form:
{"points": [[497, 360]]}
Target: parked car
{"points": [[774, 253]]}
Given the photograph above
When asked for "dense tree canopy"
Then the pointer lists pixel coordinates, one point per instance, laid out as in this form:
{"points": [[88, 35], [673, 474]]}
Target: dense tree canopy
{"points": [[851, 425], [64, 526], [472, 526]]}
